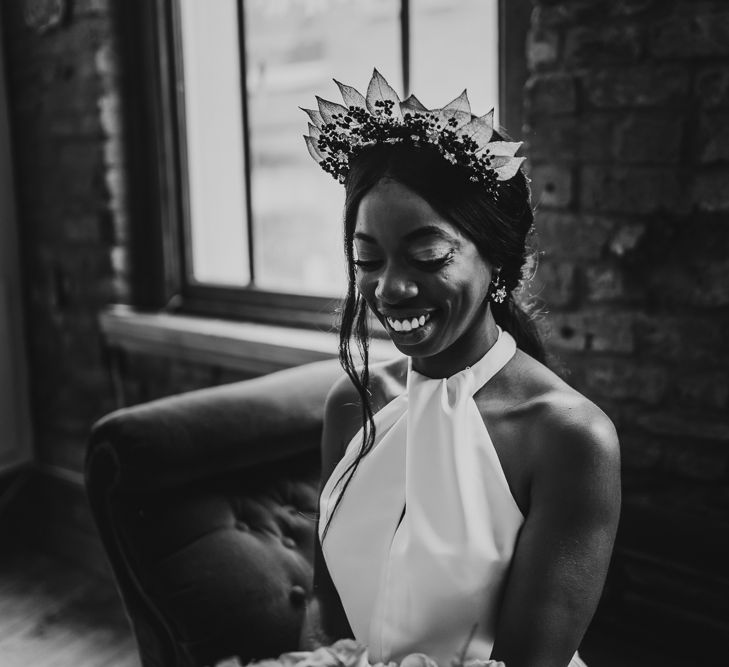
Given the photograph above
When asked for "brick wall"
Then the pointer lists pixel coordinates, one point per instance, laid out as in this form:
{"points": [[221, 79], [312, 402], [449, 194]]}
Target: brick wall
{"points": [[67, 231], [627, 112], [628, 136], [68, 144]]}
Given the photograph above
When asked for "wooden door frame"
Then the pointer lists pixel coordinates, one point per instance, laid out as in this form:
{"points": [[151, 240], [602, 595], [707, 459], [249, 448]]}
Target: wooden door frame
{"points": [[16, 440]]}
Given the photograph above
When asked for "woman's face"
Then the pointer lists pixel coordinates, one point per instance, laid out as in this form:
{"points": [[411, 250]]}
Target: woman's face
{"points": [[422, 277]]}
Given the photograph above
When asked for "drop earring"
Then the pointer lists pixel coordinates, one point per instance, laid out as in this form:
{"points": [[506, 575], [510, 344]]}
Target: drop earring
{"points": [[498, 289]]}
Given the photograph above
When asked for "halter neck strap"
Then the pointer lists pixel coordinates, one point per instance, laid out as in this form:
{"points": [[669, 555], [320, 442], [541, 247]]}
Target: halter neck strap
{"points": [[472, 378]]}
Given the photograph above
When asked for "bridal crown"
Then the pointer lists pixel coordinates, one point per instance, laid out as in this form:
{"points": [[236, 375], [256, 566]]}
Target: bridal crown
{"points": [[338, 133]]}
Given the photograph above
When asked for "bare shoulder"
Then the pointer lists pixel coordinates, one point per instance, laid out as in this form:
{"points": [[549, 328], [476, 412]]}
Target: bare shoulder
{"points": [[574, 428], [574, 440], [387, 380], [565, 427], [343, 406], [578, 445]]}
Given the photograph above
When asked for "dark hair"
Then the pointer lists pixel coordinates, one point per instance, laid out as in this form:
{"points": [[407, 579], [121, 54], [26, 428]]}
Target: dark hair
{"points": [[498, 227]]}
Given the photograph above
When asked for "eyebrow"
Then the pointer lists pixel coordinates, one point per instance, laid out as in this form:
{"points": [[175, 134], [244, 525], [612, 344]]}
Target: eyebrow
{"points": [[419, 233]]}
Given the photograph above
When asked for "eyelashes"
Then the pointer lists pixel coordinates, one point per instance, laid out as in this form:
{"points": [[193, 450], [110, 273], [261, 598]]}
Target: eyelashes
{"points": [[366, 265], [430, 265], [434, 264]]}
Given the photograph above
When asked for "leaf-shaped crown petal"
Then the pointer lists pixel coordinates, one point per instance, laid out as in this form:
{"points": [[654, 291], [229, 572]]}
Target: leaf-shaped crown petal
{"points": [[351, 96], [314, 116], [328, 109], [313, 150], [479, 129], [379, 90], [504, 148], [413, 105], [458, 109], [506, 167]]}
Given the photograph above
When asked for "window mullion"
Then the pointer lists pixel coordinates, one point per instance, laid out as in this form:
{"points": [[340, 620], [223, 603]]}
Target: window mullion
{"points": [[405, 44], [246, 141]]}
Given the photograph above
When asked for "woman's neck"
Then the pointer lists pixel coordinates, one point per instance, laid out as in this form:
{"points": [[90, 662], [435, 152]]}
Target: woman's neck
{"points": [[466, 351]]}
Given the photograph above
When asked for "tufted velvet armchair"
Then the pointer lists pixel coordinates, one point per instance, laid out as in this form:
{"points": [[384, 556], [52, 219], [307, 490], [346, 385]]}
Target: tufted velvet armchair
{"points": [[205, 503]]}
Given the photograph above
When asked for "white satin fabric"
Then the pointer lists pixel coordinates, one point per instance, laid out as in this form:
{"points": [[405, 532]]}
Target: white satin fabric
{"points": [[424, 584], [421, 584]]}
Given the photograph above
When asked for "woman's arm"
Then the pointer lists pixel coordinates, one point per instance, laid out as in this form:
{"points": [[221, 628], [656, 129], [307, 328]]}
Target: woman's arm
{"points": [[325, 620], [564, 547]]}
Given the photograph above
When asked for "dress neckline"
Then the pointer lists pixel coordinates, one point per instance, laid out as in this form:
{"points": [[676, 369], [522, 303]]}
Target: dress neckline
{"points": [[478, 374]]}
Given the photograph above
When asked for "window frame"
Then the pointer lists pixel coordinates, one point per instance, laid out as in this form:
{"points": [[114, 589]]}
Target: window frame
{"points": [[158, 241]]}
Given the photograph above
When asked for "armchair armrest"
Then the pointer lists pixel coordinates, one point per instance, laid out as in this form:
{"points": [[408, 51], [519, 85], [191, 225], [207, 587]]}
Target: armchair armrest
{"points": [[181, 439]]}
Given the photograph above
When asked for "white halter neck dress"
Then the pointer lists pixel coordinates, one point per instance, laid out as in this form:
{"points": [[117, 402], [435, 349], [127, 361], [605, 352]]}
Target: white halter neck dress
{"points": [[421, 542]]}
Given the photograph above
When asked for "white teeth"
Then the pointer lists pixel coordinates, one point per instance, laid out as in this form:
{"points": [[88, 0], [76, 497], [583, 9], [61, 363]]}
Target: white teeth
{"points": [[408, 325]]}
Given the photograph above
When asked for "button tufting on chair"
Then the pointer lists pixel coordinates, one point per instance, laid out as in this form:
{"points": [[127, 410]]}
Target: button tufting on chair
{"points": [[297, 595], [288, 542], [194, 496]]}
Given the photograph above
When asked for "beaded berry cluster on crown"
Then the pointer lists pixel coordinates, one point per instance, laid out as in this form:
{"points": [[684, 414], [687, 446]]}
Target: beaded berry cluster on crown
{"points": [[338, 133]]}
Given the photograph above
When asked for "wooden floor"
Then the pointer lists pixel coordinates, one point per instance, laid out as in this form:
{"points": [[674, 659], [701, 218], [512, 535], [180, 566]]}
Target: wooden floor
{"points": [[55, 615]]}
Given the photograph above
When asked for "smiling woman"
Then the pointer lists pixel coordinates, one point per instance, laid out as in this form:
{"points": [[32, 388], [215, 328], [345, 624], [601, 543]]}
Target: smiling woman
{"points": [[469, 496], [444, 218]]}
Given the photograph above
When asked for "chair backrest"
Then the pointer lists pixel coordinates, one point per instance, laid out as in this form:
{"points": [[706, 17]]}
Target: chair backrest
{"points": [[206, 505]]}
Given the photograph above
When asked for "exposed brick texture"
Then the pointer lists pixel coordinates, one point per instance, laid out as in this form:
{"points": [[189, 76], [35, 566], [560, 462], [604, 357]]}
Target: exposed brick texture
{"points": [[610, 44], [552, 93], [69, 153], [712, 86], [687, 33], [66, 224], [635, 86], [630, 99]]}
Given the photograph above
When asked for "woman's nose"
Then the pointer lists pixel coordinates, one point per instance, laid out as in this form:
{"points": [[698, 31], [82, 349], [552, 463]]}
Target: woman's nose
{"points": [[394, 287]]}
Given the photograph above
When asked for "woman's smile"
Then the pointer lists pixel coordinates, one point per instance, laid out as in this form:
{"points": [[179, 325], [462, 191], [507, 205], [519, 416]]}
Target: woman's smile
{"points": [[409, 328], [407, 323]]}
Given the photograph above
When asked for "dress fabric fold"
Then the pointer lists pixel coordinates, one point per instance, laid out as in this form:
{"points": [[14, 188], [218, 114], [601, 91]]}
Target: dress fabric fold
{"points": [[420, 544]]}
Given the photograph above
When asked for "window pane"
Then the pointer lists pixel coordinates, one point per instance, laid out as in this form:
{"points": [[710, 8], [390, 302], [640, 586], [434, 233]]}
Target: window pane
{"points": [[454, 45], [293, 50], [214, 133]]}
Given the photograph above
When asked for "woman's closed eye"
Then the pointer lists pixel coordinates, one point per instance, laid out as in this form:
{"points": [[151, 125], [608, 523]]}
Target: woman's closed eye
{"points": [[433, 261], [427, 261], [366, 263]]}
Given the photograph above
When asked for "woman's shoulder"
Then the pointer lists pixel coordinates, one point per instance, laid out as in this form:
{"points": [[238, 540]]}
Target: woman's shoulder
{"points": [[388, 380], [343, 406], [566, 425]]}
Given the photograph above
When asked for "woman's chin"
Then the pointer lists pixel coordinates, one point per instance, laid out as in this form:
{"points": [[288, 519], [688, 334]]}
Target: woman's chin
{"points": [[407, 341]]}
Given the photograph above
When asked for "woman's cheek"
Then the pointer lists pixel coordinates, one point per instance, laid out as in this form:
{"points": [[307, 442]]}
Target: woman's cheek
{"points": [[366, 288]]}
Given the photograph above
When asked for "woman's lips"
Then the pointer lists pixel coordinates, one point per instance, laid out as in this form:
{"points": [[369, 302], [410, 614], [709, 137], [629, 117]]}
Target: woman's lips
{"points": [[402, 329], [407, 324]]}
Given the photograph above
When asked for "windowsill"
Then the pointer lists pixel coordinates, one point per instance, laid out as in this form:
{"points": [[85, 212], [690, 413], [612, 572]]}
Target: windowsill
{"points": [[247, 346]]}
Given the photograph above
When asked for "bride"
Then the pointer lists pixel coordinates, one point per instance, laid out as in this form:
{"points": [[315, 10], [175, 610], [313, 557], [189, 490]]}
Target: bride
{"points": [[470, 497]]}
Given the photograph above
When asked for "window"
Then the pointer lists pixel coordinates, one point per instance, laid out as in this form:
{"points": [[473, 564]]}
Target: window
{"points": [[249, 226]]}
